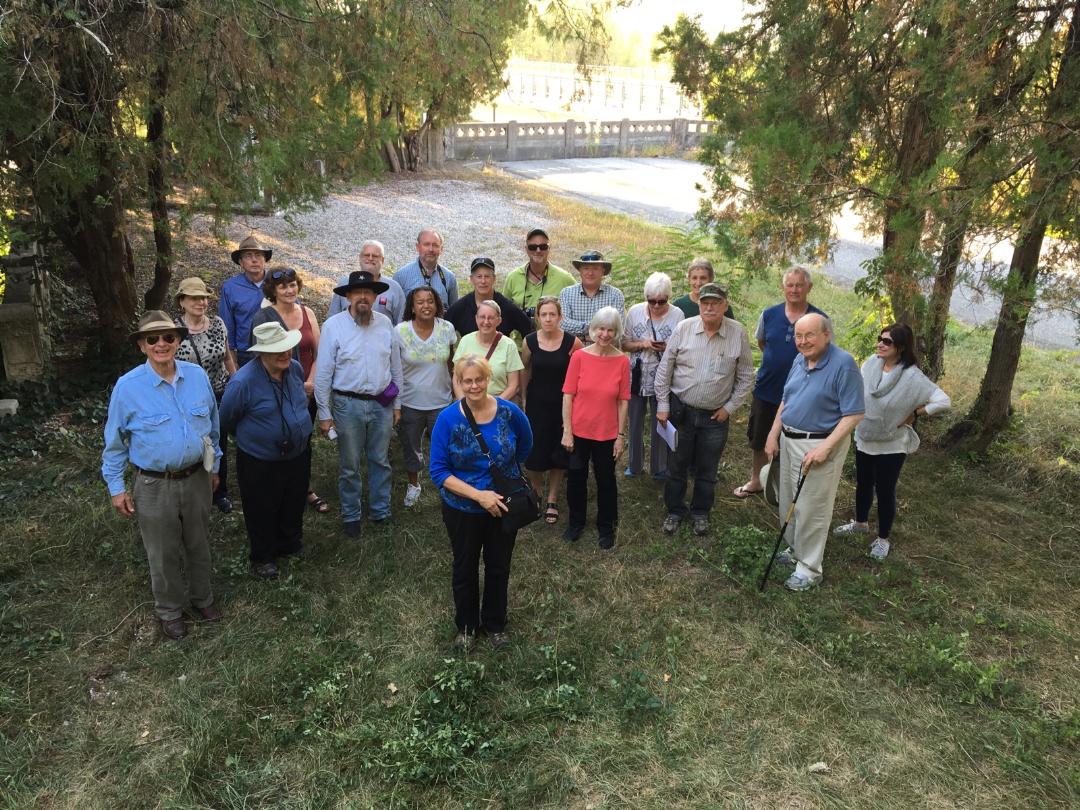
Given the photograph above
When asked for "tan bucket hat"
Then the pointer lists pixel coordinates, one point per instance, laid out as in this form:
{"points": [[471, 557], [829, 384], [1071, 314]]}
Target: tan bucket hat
{"points": [[251, 243], [770, 479], [155, 320], [272, 338], [193, 287]]}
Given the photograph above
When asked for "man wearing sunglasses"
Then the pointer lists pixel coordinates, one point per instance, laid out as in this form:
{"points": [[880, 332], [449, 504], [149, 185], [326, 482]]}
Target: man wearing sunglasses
{"points": [[526, 285], [163, 421], [242, 296]]}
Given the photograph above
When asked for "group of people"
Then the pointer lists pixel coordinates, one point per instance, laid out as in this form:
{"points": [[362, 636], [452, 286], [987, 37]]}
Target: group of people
{"points": [[552, 374]]}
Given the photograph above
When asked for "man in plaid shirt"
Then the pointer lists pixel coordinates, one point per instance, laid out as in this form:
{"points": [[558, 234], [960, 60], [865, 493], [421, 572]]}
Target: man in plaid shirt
{"points": [[581, 301]]}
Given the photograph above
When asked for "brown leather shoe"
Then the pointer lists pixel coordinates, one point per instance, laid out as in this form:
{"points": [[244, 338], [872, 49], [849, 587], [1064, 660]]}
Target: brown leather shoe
{"points": [[174, 629], [210, 613]]}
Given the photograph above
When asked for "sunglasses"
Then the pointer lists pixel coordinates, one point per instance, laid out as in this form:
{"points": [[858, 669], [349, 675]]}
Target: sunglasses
{"points": [[168, 337], [885, 341], [287, 275], [540, 246], [656, 302]]}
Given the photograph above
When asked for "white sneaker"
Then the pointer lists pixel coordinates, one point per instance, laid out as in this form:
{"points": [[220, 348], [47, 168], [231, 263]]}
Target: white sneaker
{"points": [[879, 549], [850, 528], [798, 582], [412, 495]]}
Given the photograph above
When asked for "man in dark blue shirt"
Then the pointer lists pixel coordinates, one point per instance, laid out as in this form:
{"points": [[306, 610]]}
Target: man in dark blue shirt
{"points": [[775, 334], [242, 295]]}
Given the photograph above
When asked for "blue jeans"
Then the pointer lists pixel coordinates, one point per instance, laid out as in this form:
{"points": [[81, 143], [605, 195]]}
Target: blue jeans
{"points": [[363, 427], [701, 442]]}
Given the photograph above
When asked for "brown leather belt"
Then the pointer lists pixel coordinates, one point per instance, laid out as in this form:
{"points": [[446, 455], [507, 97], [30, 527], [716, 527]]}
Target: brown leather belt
{"points": [[174, 475]]}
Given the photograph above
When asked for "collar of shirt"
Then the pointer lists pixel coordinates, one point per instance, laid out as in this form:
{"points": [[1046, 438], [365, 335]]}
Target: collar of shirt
{"points": [[822, 362], [599, 290], [723, 331], [156, 379]]}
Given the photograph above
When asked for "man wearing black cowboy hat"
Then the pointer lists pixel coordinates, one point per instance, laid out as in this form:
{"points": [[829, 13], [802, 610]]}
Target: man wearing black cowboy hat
{"points": [[581, 301], [163, 421], [242, 295], [357, 378]]}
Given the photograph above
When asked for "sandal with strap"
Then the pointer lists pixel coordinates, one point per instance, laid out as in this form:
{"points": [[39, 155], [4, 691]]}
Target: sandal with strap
{"points": [[317, 503], [551, 513]]}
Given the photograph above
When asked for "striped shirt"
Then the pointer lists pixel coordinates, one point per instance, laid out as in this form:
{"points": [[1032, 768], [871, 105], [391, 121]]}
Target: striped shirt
{"points": [[578, 308], [705, 372]]}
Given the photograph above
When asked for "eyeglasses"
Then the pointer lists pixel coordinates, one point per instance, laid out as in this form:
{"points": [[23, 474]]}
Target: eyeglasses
{"points": [[656, 302], [542, 246], [168, 337], [288, 275], [885, 341]]}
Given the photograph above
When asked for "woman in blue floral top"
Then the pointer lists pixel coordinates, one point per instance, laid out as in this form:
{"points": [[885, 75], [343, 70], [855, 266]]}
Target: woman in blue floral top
{"points": [[472, 510]]}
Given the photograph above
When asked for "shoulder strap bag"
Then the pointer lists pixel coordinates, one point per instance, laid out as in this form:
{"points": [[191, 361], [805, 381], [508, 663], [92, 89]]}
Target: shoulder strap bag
{"points": [[522, 502]]}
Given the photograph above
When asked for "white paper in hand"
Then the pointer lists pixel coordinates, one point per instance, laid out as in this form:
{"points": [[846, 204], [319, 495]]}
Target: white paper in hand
{"points": [[668, 433]]}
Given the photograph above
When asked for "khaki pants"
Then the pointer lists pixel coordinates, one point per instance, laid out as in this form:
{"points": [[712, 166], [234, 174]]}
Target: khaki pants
{"points": [[809, 528], [174, 520]]}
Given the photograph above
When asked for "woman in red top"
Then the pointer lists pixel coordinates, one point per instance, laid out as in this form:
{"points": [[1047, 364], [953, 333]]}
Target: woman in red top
{"points": [[282, 286], [596, 395]]}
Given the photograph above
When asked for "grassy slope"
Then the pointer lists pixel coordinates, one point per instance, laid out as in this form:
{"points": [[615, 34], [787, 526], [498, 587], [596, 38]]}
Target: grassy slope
{"points": [[651, 678]]}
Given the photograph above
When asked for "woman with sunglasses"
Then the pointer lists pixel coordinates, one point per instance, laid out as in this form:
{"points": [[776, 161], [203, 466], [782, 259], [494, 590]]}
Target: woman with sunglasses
{"points": [[282, 286], [207, 345], [897, 392], [645, 333]]}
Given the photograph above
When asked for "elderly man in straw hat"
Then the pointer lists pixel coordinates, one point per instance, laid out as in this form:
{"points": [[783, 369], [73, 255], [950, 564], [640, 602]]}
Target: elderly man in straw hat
{"points": [[357, 380], [581, 301], [163, 421], [242, 296]]}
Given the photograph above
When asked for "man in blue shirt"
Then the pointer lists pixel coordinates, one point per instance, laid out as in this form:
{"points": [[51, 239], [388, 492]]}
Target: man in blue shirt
{"points": [[822, 404], [775, 335], [390, 303], [163, 420], [242, 296], [426, 270], [357, 377]]}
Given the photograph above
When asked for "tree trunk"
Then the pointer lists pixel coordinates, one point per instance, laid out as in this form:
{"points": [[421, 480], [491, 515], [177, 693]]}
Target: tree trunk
{"points": [[937, 310], [157, 189]]}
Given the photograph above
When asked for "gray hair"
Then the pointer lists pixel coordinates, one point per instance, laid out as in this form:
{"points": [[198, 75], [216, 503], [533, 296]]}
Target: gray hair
{"points": [[658, 284], [801, 271], [374, 243], [701, 263], [607, 317], [493, 304]]}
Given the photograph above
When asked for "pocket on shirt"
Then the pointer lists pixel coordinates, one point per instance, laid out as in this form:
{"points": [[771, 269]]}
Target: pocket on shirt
{"points": [[724, 367], [154, 422], [200, 419]]}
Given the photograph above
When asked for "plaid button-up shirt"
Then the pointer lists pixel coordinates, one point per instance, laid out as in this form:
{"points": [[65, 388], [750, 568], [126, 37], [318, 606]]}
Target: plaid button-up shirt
{"points": [[578, 308]]}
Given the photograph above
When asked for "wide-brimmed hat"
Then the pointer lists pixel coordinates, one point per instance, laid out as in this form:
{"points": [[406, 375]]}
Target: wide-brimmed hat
{"points": [[251, 243], [193, 287], [593, 257], [770, 480], [272, 337], [711, 290], [155, 320], [361, 280]]}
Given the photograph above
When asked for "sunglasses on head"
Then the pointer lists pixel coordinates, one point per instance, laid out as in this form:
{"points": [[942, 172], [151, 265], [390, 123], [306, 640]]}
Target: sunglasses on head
{"points": [[287, 275], [539, 246], [885, 340], [168, 337]]}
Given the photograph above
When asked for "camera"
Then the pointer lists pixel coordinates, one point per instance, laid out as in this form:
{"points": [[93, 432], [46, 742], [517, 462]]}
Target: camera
{"points": [[530, 311]]}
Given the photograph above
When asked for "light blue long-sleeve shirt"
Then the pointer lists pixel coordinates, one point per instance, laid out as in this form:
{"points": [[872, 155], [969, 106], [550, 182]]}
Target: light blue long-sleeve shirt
{"points": [[442, 281], [157, 425], [360, 359]]}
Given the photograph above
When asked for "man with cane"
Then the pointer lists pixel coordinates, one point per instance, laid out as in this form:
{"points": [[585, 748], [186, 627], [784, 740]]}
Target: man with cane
{"points": [[822, 404]]}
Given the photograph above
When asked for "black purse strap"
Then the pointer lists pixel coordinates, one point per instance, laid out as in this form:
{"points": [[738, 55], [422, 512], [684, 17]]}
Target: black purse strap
{"points": [[476, 430]]}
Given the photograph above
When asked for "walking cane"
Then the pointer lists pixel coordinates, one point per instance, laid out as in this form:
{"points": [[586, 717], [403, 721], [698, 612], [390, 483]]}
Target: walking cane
{"points": [[780, 539]]}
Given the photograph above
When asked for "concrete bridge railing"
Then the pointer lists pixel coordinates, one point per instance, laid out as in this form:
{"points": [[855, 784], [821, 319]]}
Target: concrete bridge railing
{"points": [[550, 140]]}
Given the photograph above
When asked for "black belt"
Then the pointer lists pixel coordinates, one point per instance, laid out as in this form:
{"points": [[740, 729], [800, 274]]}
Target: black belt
{"points": [[352, 394], [791, 434], [174, 475]]}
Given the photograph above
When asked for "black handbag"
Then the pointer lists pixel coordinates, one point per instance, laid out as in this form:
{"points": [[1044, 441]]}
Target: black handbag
{"points": [[521, 501], [635, 376]]}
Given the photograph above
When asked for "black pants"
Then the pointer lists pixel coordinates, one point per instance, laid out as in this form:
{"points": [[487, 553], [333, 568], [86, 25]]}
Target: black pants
{"points": [[472, 535], [577, 485], [701, 443], [877, 474], [274, 495]]}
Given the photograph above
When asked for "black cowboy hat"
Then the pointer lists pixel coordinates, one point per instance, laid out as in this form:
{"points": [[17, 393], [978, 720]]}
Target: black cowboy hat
{"points": [[361, 280]]}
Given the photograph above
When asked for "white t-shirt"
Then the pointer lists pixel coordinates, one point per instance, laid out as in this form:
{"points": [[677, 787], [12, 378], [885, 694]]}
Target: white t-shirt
{"points": [[423, 366]]}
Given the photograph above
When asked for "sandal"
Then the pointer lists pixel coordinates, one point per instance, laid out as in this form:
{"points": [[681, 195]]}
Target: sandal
{"points": [[317, 503], [551, 513], [744, 492]]}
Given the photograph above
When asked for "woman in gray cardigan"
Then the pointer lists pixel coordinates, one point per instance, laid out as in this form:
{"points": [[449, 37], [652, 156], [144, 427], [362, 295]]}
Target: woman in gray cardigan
{"points": [[896, 392]]}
